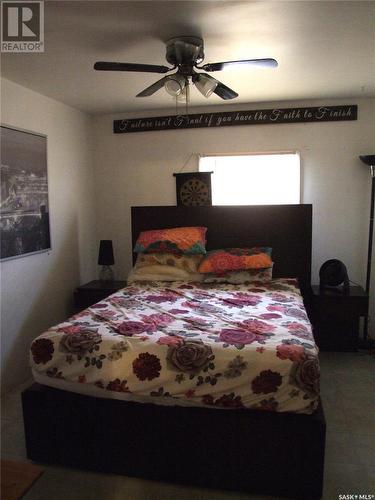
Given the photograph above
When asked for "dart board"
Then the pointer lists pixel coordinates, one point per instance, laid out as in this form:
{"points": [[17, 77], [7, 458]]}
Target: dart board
{"points": [[193, 189]]}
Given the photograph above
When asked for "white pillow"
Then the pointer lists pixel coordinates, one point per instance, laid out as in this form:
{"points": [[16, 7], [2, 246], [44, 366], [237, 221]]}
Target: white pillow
{"points": [[160, 272]]}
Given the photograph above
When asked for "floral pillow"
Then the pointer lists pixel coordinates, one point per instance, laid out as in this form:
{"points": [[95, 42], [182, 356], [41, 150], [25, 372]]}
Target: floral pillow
{"points": [[240, 277], [236, 259], [186, 240], [185, 262]]}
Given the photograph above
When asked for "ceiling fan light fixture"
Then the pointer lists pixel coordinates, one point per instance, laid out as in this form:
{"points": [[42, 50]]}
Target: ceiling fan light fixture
{"points": [[206, 85], [184, 96], [184, 53], [175, 85]]}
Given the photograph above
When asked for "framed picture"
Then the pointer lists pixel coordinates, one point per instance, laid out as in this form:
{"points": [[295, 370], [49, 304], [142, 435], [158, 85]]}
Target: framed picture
{"points": [[24, 213], [193, 189]]}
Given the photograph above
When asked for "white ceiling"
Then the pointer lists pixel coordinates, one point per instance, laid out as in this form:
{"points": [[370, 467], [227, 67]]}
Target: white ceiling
{"points": [[325, 49]]}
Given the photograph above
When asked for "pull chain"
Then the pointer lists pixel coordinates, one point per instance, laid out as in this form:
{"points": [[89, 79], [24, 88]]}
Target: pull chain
{"points": [[187, 98]]}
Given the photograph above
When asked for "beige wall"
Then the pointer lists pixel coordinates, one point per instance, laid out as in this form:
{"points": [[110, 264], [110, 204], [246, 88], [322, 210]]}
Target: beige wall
{"points": [[136, 169], [37, 289], [88, 204]]}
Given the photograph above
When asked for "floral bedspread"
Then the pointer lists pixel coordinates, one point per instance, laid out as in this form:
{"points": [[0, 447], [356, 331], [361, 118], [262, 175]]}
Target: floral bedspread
{"points": [[217, 345]]}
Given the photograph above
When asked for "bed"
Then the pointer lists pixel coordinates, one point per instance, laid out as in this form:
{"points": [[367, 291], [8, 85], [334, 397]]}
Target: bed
{"points": [[195, 434]]}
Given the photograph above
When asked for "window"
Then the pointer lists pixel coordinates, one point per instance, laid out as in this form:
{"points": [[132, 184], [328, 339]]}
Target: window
{"points": [[258, 179]]}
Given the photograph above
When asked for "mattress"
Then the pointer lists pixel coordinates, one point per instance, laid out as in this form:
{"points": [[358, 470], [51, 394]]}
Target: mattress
{"points": [[214, 345]]}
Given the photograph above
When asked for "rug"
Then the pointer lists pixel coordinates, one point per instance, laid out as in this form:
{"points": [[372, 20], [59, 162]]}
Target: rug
{"points": [[17, 478]]}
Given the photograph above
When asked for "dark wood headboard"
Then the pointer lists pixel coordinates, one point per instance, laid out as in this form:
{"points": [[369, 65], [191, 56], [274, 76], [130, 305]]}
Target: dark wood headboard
{"points": [[285, 228]]}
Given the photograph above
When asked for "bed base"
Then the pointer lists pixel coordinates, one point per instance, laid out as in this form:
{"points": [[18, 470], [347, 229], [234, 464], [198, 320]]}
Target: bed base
{"points": [[254, 451]]}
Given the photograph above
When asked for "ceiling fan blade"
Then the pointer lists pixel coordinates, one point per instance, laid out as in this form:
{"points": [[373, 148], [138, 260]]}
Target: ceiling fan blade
{"points": [[225, 92], [118, 66], [153, 88], [261, 63]]}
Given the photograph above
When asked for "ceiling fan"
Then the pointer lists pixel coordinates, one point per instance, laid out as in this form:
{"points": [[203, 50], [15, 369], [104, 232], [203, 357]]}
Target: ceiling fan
{"points": [[185, 53]]}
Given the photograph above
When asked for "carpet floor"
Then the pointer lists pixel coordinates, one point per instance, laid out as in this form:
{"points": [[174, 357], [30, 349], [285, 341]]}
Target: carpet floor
{"points": [[348, 395]]}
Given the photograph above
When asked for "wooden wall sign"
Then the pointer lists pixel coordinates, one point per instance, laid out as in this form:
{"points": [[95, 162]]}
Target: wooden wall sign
{"points": [[234, 118]]}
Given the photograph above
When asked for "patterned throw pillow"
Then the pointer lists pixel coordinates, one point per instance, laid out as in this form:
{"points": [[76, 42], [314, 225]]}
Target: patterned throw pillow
{"points": [[236, 259], [187, 240], [241, 277], [185, 262]]}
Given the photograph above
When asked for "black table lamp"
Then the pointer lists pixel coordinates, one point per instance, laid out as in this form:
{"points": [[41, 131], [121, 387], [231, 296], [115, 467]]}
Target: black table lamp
{"points": [[106, 260], [369, 160]]}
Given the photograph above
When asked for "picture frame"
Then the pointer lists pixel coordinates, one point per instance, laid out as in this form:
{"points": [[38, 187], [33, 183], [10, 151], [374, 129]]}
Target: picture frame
{"points": [[24, 204]]}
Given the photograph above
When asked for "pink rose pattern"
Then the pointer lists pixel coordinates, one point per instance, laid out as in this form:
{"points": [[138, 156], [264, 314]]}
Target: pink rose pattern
{"points": [[183, 340], [291, 352], [237, 336]]}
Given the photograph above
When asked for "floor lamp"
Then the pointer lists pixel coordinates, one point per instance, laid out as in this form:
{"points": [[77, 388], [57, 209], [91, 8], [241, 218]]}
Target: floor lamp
{"points": [[369, 160]]}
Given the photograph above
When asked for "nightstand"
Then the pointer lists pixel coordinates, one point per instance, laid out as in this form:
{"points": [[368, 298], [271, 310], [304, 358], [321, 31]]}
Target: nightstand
{"points": [[94, 291], [335, 317]]}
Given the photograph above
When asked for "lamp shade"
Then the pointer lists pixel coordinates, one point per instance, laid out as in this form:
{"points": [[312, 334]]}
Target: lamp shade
{"points": [[205, 84], [175, 84], [106, 253], [368, 159]]}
